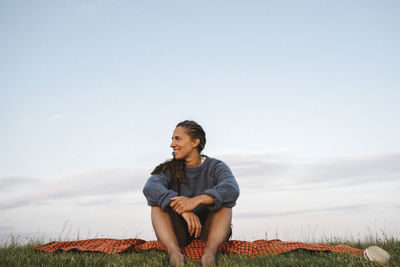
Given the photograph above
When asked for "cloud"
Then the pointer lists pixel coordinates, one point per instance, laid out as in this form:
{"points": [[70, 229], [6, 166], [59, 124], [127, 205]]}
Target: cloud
{"points": [[15, 203], [101, 201], [352, 208], [6, 228], [11, 182], [52, 119], [264, 172], [80, 184], [255, 173], [359, 170], [96, 202]]}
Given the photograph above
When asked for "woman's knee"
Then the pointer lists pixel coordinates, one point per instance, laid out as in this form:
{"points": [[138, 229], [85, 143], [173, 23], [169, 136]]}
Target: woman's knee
{"points": [[224, 212], [225, 209], [156, 208], [157, 211], [223, 215]]}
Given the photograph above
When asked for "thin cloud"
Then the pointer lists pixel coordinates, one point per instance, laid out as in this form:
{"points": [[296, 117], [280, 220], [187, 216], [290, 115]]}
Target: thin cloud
{"points": [[111, 200], [12, 182], [255, 173], [262, 172], [6, 228], [89, 183], [359, 170], [15, 203], [52, 119], [352, 208], [97, 202]]}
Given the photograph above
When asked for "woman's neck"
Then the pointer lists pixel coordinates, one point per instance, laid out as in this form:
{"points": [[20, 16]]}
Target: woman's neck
{"points": [[193, 160]]}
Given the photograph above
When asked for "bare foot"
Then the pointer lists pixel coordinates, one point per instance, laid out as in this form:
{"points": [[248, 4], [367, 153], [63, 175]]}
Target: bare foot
{"points": [[208, 259], [176, 259]]}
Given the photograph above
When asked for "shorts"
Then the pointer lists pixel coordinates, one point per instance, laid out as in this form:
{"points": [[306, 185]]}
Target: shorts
{"points": [[181, 228]]}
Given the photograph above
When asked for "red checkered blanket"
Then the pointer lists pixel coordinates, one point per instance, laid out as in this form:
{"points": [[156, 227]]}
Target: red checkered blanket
{"points": [[194, 250]]}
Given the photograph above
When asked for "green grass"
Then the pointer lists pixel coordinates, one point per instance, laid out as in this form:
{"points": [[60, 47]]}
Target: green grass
{"points": [[15, 254]]}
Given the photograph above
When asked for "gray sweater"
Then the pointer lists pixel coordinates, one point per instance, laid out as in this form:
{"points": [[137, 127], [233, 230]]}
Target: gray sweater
{"points": [[213, 177]]}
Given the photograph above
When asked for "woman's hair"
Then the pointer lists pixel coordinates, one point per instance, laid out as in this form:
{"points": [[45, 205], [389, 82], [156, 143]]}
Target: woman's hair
{"points": [[174, 166]]}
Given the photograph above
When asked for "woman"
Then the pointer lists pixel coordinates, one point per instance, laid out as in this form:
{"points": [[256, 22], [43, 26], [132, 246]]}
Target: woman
{"points": [[191, 196]]}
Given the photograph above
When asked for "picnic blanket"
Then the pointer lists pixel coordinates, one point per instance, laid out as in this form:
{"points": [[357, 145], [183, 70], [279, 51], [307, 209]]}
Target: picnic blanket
{"points": [[195, 249]]}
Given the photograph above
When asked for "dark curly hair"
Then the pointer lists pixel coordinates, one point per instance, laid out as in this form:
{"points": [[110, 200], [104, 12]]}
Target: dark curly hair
{"points": [[174, 166]]}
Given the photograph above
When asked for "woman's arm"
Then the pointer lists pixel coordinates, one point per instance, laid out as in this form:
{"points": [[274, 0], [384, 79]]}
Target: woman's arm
{"points": [[193, 222], [184, 204], [223, 194], [157, 192], [226, 190]]}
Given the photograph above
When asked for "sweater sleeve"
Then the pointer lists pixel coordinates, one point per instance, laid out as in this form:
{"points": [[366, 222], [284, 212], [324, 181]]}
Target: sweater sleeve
{"points": [[157, 192], [226, 191]]}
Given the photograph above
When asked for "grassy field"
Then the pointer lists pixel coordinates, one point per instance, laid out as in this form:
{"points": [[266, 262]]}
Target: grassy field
{"points": [[15, 254]]}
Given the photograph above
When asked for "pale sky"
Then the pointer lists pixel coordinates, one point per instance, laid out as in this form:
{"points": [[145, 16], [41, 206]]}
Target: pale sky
{"points": [[300, 98]]}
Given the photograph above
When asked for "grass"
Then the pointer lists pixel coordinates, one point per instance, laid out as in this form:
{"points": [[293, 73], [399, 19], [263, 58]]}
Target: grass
{"points": [[14, 253]]}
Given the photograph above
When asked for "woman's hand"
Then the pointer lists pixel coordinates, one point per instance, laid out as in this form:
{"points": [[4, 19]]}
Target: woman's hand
{"points": [[193, 222], [183, 204]]}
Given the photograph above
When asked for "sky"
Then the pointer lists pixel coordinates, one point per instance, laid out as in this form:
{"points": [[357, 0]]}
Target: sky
{"points": [[300, 98]]}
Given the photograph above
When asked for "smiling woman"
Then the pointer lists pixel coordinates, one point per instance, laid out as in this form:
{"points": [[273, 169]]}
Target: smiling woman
{"points": [[192, 196]]}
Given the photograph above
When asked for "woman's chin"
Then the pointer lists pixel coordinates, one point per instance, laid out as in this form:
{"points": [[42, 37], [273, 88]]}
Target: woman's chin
{"points": [[179, 155]]}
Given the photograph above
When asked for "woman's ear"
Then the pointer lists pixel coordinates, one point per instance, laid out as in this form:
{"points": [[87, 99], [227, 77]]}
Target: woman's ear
{"points": [[196, 142]]}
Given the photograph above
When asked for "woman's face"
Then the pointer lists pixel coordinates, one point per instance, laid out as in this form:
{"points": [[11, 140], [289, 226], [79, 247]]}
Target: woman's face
{"points": [[182, 143]]}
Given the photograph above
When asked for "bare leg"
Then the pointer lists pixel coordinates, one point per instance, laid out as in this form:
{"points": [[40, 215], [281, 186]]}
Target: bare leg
{"points": [[219, 229], [164, 229]]}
